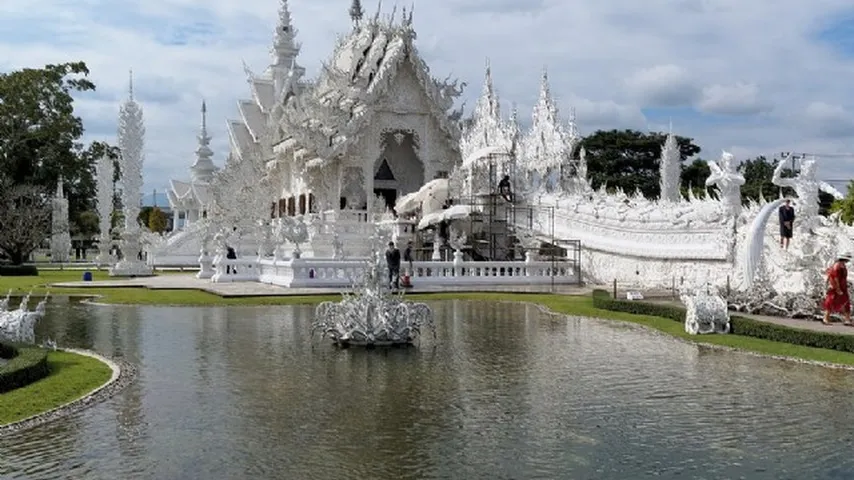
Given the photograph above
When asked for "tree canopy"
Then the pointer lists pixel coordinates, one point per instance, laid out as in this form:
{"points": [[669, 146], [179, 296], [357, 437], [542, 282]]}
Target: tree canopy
{"points": [[629, 159], [40, 133]]}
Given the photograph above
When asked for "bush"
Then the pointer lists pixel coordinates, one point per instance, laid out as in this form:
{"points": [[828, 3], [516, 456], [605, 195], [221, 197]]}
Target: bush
{"points": [[25, 366], [18, 271], [746, 327]]}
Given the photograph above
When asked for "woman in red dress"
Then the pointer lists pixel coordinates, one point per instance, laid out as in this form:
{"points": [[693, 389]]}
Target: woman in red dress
{"points": [[837, 299]]}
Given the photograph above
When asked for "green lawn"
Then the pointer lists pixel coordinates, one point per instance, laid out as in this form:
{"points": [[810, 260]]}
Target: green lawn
{"points": [[71, 377], [571, 305]]}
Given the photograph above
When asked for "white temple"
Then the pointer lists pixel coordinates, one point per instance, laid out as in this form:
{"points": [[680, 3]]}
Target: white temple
{"points": [[315, 164], [189, 200]]}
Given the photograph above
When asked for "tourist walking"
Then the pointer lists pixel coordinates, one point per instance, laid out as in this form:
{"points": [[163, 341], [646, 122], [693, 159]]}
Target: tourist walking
{"points": [[787, 220], [407, 256], [392, 259], [837, 299]]}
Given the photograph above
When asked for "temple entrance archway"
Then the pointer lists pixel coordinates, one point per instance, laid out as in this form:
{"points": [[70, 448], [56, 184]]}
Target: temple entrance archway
{"points": [[398, 171]]}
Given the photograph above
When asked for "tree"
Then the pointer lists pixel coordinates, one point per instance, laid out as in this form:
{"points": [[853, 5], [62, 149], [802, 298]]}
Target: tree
{"points": [[25, 219], [694, 177], [629, 159], [144, 213], [757, 183], [39, 133], [845, 207], [157, 220], [86, 225]]}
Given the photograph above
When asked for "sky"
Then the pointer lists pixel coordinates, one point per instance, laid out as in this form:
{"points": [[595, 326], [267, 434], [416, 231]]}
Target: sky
{"points": [[754, 78]]}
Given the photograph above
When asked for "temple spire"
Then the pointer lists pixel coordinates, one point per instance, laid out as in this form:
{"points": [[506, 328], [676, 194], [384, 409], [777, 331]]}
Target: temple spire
{"points": [[356, 13], [285, 47], [203, 168]]}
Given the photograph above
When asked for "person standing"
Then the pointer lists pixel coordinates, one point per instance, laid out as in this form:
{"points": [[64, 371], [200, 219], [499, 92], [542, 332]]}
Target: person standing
{"points": [[407, 256], [837, 299], [392, 259], [787, 220]]}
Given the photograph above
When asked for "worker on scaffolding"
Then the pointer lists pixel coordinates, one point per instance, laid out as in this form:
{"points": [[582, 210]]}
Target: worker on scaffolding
{"points": [[504, 189]]}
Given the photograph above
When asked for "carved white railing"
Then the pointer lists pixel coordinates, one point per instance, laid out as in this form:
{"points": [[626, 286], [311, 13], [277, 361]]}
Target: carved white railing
{"points": [[650, 240], [315, 272]]}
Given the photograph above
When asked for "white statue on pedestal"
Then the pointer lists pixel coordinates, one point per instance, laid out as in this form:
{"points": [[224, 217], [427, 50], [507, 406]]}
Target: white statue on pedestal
{"points": [[205, 260], [706, 311], [60, 240], [807, 187], [131, 139], [725, 176]]}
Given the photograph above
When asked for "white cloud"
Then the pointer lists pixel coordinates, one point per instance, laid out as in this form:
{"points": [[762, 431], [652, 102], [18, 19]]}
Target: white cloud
{"points": [[829, 120], [662, 86], [612, 60], [737, 99]]}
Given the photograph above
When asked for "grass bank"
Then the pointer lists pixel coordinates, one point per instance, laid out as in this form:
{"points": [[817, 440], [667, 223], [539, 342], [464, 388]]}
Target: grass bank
{"points": [[71, 377], [570, 305]]}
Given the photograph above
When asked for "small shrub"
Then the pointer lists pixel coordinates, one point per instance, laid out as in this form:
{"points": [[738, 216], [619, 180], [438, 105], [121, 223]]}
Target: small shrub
{"points": [[746, 327], [25, 366], [7, 352], [18, 271]]}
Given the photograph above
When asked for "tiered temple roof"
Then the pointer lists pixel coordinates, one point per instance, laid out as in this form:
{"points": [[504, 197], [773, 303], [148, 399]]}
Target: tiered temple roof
{"points": [[194, 194], [315, 122]]}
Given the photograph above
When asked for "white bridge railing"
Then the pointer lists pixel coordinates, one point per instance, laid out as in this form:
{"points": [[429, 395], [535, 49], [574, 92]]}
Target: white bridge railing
{"points": [[318, 272]]}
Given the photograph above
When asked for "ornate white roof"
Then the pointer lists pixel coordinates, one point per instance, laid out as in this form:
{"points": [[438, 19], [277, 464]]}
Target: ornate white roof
{"points": [[328, 117], [319, 120]]}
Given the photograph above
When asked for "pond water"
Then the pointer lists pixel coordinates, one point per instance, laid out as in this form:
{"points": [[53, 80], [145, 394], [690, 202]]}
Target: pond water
{"points": [[504, 392]]}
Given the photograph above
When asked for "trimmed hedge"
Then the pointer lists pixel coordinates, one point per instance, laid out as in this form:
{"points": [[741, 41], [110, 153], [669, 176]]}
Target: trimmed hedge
{"points": [[739, 325], [25, 366], [18, 271]]}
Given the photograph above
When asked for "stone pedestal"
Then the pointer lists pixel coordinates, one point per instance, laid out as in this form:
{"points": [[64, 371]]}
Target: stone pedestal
{"points": [[206, 270], [131, 268]]}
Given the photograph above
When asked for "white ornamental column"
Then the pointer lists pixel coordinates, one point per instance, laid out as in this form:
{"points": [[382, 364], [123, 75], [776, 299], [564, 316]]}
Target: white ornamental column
{"points": [[60, 240], [131, 140], [104, 178]]}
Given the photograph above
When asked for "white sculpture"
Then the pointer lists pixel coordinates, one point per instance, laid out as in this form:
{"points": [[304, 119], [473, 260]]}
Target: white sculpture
{"points": [[104, 173], [670, 170], [131, 140], [807, 188], [370, 316], [726, 177], [706, 312], [60, 239], [18, 326]]}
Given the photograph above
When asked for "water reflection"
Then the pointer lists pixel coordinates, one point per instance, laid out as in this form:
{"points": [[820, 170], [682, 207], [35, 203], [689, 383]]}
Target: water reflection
{"points": [[503, 392]]}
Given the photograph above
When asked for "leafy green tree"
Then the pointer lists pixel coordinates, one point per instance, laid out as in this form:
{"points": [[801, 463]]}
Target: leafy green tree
{"points": [[25, 217], [144, 214], [40, 134], [694, 177], [87, 225], [845, 207], [157, 221], [629, 159]]}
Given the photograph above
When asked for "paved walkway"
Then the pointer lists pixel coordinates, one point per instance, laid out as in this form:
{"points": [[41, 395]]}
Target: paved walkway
{"points": [[796, 323], [255, 289]]}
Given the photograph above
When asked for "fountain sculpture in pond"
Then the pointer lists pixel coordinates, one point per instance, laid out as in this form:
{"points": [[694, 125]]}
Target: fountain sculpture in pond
{"points": [[371, 315], [18, 326]]}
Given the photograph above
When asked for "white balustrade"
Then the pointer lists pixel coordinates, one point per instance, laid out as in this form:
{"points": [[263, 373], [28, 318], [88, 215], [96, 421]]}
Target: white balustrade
{"points": [[318, 272]]}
